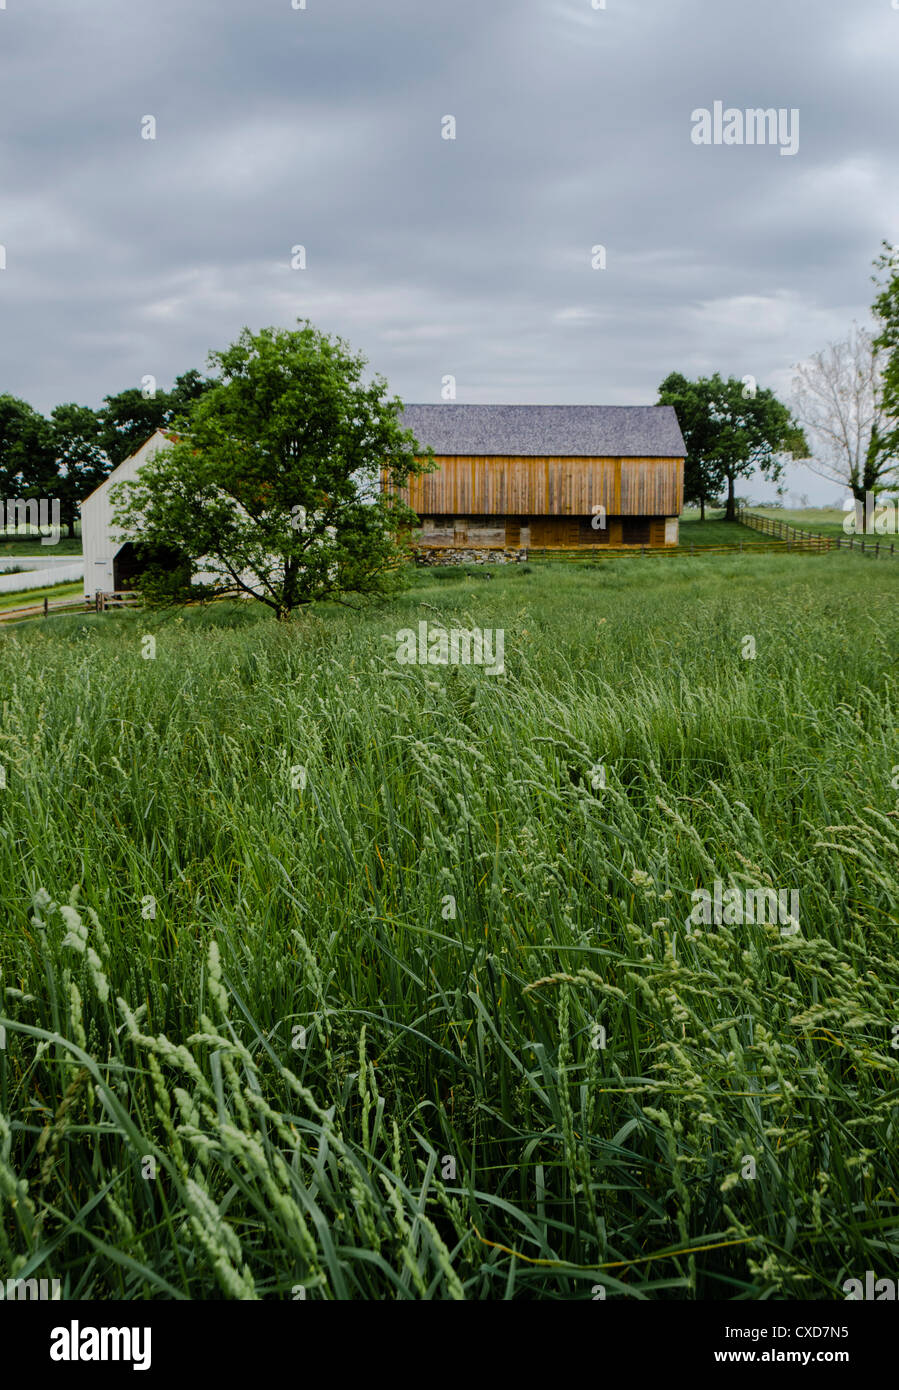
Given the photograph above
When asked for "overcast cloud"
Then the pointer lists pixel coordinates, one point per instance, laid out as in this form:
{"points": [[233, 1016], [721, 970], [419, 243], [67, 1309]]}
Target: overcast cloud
{"points": [[472, 257]]}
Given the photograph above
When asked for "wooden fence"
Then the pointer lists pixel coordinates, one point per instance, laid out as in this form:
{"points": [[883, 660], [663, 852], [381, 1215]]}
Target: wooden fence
{"points": [[657, 552], [796, 538], [101, 603], [46, 607], [122, 598]]}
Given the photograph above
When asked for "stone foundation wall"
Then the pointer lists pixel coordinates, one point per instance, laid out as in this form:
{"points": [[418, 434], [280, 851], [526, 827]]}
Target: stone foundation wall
{"points": [[453, 555]]}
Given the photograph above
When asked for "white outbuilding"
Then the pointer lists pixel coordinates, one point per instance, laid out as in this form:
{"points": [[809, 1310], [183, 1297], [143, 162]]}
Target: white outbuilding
{"points": [[109, 561]]}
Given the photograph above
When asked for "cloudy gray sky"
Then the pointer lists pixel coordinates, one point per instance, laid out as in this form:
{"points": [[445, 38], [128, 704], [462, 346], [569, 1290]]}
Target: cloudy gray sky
{"points": [[471, 257]]}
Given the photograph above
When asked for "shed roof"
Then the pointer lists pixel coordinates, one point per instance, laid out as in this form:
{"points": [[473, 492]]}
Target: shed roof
{"points": [[589, 431]]}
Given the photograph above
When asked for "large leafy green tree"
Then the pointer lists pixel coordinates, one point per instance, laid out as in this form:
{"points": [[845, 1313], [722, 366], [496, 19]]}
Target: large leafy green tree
{"points": [[275, 491], [731, 429]]}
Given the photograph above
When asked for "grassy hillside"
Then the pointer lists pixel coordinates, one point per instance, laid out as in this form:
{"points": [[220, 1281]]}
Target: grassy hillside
{"points": [[716, 531], [23, 597], [328, 1009], [824, 521], [13, 545]]}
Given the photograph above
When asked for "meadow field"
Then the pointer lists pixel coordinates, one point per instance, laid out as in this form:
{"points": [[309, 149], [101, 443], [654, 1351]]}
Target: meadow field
{"points": [[328, 977], [823, 521], [715, 531]]}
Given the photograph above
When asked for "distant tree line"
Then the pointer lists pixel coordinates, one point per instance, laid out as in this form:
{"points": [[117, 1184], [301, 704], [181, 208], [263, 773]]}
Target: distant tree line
{"points": [[69, 453]]}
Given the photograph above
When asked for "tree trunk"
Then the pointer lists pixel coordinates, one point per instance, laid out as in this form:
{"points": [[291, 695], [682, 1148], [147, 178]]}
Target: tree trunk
{"points": [[730, 513], [702, 508]]}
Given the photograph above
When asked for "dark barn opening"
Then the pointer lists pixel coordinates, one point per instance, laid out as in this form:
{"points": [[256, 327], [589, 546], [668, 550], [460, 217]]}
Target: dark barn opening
{"points": [[635, 530], [132, 560]]}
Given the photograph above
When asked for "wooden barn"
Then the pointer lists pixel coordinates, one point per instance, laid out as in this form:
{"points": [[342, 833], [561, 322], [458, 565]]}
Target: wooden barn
{"points": [[534, 476]]}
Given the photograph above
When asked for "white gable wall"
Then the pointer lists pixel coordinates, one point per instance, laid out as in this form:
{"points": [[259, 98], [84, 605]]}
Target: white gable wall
{"points": [[99, 539]]}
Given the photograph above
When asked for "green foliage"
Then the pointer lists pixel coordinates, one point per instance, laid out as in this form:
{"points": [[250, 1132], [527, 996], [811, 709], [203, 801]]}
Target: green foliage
{"points": [[692, 403], [129, 418], [173, 1033], [275, 490], [730, 429], [884, 448], [69, 455], [80, 458], [27, 462], [167, 585]]}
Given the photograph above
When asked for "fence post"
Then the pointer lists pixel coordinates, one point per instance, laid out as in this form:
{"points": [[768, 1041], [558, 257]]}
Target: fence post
{"points": [[46, 605], [877, 551]]}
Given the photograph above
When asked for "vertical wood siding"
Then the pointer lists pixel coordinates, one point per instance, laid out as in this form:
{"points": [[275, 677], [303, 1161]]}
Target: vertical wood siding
{"points": [[508, 486]]}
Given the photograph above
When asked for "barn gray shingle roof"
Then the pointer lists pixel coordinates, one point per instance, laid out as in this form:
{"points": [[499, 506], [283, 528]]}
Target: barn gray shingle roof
{"points": [[597, 431]]}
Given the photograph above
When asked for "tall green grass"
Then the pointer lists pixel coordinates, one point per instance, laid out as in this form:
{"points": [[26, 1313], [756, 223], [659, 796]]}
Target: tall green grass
{"points": [[344, 1039]]}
